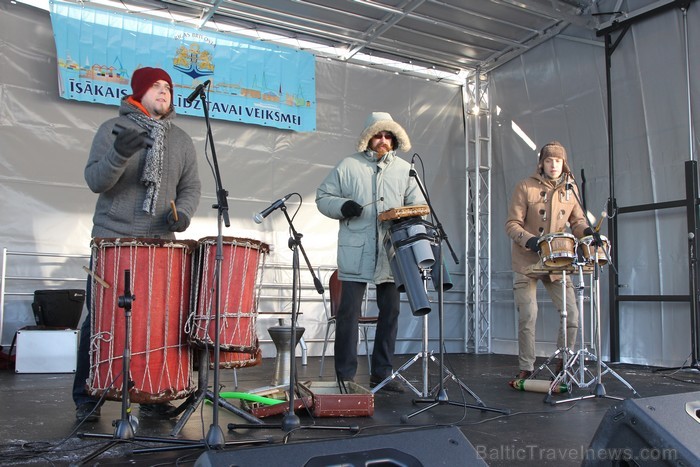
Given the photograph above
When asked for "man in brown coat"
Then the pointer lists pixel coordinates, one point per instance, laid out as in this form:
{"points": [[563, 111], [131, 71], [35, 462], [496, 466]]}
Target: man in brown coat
{"points": [[541, 204]]}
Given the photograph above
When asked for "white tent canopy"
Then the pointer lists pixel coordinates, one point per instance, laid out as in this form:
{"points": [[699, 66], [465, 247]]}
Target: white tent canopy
{"points": [[552, 89]]}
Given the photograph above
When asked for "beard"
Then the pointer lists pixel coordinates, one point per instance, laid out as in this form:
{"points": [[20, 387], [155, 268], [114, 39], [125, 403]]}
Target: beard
{"points": [[382, 148]]}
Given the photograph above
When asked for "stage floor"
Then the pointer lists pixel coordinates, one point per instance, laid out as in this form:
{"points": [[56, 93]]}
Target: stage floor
{"points": [[38, 419]]}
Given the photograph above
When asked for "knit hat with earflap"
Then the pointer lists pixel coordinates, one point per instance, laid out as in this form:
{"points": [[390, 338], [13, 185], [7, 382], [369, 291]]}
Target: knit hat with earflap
{"points": [[382, 121], [555, 150], [143, 79]]}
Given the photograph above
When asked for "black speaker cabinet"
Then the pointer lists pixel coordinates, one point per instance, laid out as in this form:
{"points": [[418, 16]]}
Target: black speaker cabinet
{"points": [[411, 448], [663, 430], [58, 308]]}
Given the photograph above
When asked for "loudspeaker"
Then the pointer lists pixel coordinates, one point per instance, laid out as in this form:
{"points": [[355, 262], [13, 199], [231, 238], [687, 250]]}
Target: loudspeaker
{"points": [[410, 448], [663, 430], [58, 308]]}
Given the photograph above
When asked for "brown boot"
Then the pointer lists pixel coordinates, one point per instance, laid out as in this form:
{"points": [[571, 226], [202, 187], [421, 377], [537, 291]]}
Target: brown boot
{"points": [[524, 374]]}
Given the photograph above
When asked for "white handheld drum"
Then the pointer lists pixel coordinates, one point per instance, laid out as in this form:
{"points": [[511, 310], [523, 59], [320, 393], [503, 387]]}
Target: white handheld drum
{"points": [[557, 250], [241, 268], [161, 359]]}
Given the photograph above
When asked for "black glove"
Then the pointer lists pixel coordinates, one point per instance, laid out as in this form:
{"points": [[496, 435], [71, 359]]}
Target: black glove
{"points": [[130, 140], [587, 232], [351, 209], [179, 225], [533, 244]]}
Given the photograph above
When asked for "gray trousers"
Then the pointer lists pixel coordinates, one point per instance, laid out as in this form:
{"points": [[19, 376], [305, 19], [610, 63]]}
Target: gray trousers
{"points": [[525, 294]]}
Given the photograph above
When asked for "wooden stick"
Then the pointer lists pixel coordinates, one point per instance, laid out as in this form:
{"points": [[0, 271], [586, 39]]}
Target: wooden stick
{"points": [[172, 206], [96, 277]]}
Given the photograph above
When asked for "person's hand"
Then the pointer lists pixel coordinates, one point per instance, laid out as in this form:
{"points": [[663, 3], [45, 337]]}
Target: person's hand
{"points": [[179, 225], [351, 209], [587, 232], [533, 244], [129, 140]]}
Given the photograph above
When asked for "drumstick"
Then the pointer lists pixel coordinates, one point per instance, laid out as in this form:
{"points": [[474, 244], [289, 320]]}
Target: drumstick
{"points": [[372, 202], [96, 277], [172, 206], [603, 215]]}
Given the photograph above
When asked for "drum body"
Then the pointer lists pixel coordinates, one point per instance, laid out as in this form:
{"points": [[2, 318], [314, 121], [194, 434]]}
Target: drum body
{"points": [[161, 359], [229, 360], [409, 247], [557, 250], [586, 250], [241, 268]]}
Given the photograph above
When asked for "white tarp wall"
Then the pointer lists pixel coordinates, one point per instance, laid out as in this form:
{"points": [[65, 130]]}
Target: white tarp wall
{"points": [[557, 91], [46, 206]]}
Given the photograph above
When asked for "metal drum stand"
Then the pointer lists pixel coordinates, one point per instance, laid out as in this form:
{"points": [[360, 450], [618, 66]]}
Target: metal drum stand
{"points": [[598, 390]]}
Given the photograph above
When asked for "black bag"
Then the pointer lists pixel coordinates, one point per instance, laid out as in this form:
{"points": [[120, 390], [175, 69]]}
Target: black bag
{"points": [[58, 308]]}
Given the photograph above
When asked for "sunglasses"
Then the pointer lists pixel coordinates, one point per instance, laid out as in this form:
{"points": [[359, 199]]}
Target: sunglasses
{"points": [[384, 134]]}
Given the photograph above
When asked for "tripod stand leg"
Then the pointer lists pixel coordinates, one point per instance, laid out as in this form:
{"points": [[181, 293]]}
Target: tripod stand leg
{"points": [[203, 393], [449, 375], [98, 452], [560, 351], [397, 374], [423, 354], [607, 369]]}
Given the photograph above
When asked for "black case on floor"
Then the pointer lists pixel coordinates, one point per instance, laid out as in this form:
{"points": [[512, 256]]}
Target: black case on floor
{"points": [[58, 308]]}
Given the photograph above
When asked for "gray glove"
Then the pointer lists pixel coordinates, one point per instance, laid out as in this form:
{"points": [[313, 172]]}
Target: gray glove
{"points": [[179, 225], [351, 209], [129, 141]]}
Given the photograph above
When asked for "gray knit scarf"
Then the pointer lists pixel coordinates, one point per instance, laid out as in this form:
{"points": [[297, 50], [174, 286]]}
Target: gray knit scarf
{"points": [[153, 169]]}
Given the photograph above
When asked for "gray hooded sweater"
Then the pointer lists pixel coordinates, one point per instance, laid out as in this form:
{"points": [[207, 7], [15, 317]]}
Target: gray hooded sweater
{"points": [[119, 208]]}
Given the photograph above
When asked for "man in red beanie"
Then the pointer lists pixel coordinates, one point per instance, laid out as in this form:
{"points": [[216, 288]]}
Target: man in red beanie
{"points": [[541, 204], [139, 163]]}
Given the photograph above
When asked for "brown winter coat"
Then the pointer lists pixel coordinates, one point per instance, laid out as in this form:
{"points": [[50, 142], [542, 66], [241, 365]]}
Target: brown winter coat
{"points": [[539, 206]]}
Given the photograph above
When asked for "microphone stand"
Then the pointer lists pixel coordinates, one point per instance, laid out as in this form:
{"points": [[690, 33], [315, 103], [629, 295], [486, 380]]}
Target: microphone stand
{"points": [[291, 420], [440, 392], [125, 427], [215, 436]]}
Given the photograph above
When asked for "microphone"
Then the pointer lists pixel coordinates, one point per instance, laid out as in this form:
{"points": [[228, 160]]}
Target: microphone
{"points": [[258, 218], [412, 171], [197, 91]]}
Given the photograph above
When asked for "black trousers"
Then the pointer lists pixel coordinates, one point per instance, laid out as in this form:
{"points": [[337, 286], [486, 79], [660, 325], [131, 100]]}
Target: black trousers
{"points": [[347, 333]]}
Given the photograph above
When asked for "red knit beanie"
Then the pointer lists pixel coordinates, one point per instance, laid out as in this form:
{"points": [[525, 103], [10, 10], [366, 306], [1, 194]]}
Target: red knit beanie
{"points": [[143, 79]]}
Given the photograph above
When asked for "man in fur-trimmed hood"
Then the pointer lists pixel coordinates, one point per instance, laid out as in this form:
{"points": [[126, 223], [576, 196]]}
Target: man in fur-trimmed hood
{"points": [[371, 181], [382, 121]]}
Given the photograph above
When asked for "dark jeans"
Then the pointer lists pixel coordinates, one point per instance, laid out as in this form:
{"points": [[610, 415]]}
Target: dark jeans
{"points": [[346, 330], [82, 369]]}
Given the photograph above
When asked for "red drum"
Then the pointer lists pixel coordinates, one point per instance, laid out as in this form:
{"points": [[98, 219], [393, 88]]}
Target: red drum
{"points": [[230, 360], [241, 267], [160, 282]]}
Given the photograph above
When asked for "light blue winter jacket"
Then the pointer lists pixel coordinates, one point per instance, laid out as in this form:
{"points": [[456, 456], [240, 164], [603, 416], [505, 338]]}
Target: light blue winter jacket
{"points": [[363, 179]]}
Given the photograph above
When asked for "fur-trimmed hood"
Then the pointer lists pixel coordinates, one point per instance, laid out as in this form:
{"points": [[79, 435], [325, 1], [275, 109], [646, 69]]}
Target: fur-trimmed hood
{"points": [[382, 121]]}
